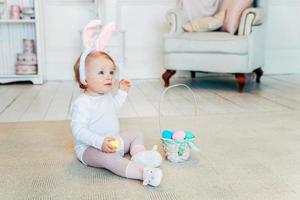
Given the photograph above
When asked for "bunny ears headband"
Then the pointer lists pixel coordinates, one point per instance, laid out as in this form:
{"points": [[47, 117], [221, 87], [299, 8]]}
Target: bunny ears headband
{"points": [[93, 42]]}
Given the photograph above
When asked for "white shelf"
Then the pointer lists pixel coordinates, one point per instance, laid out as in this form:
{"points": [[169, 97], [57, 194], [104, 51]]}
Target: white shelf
{"points": [[21, 21], [35, 79], [13, 32], [19, 76]]}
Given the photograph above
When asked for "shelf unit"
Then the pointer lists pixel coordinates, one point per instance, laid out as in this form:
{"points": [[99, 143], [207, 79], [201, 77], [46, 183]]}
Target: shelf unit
{"points": [[9, 21], [12, 33]]}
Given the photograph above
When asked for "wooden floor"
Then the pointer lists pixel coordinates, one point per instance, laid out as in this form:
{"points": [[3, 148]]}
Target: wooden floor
{"points": [[52, 100]]}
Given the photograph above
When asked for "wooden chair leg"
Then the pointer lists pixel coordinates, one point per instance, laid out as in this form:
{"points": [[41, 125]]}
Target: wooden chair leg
{"points": [[241, 79], [167, 75], [258, 72], [193, 74]]}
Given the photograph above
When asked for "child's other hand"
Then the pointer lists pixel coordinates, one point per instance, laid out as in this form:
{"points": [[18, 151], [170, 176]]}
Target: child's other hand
{"points": [[107, 147], [125, 85]]}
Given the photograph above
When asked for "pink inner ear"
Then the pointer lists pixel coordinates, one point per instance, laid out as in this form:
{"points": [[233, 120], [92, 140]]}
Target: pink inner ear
{"points": [[88, 33], [105, 36]]}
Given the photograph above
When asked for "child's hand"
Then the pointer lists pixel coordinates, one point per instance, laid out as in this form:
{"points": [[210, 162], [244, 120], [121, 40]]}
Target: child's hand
{"points": [[125, 85], [107, 147]]}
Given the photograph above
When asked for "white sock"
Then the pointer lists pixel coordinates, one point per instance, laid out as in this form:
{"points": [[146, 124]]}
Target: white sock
{"points": [[151, 158], [152, 176]]}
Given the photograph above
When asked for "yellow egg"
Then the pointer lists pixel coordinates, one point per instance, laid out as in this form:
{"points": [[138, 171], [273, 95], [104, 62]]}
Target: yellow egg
{"points": [[115, 143]]}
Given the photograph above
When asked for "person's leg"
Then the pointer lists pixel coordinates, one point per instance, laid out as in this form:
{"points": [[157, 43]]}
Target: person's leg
{"points": [[133, 142], [113, 162], [121, 166]]}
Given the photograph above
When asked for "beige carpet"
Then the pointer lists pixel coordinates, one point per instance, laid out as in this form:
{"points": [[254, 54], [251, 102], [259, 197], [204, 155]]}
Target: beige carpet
{"points": [[244, 156]]}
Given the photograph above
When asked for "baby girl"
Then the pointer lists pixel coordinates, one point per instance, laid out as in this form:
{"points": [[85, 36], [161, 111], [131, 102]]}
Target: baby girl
{"points": [[95, 124]]}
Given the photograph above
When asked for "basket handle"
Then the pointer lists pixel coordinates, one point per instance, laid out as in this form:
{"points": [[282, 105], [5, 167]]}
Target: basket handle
{"points": [[163, 94]]}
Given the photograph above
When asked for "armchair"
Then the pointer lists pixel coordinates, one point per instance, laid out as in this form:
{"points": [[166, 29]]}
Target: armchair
{"points": [[217, 52]]}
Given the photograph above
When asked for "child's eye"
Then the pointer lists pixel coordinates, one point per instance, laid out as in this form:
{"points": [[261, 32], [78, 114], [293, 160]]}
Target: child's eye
{"points": [[112, 72], [101, 73]]}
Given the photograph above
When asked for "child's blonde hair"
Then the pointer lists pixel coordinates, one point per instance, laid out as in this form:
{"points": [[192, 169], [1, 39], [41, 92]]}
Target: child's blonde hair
{"points": [[90, 56]]}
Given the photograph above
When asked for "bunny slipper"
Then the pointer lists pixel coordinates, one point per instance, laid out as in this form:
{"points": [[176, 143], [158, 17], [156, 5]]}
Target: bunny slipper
{"points": [[92, 45], [152, 176], [150, 158]]}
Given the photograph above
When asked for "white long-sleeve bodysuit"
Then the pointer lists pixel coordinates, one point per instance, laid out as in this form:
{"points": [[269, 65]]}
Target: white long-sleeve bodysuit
{"points": [[94, 118]]}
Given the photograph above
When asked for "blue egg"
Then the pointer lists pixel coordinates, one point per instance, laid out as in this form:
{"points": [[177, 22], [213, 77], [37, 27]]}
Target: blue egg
{"points": [[167, 134], [188, 135]]}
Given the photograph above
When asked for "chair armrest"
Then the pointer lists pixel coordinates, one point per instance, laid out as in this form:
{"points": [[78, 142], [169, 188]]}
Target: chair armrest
{"points": [[176, 18], [250, 17]]}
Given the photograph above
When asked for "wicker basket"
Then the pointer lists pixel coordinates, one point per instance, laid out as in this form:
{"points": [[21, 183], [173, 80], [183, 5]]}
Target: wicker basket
{"points": [[178, 150]]}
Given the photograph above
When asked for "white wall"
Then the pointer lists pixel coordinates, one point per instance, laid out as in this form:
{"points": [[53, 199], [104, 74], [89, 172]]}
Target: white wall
{"points": [[63, 19], [144, 23], [282, 53]]}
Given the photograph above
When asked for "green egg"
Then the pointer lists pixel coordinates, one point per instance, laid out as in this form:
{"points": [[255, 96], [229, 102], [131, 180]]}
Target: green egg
{"points": [[188, 135]]}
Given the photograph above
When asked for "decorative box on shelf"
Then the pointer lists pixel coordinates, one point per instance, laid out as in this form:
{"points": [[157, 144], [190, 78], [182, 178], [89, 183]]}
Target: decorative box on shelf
{"points": [[27, 61], [28, 13], [26, 69]]}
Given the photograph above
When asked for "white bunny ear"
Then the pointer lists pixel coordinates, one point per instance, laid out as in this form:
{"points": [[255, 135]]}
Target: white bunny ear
{"points": [[83, 57], [105, 36], [88, 35]]}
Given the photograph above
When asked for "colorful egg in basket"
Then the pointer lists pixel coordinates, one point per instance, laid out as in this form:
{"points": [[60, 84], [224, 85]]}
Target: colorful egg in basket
{"points": [[167, 134]]}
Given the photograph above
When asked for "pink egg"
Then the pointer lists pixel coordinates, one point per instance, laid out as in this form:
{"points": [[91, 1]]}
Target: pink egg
{"points": [[179, 135]]}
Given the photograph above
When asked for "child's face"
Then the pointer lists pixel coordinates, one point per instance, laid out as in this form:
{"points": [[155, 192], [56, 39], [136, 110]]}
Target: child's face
{"points": [[100, 75]]}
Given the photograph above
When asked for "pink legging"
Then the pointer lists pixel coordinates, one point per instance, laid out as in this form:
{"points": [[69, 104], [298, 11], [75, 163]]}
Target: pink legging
{"points": [[133, 143]]}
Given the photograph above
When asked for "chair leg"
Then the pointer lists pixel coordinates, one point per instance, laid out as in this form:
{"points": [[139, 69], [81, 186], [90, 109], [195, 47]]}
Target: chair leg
{"points": [[258, 72], [241, 79], [167, 75], [193, 74]]}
